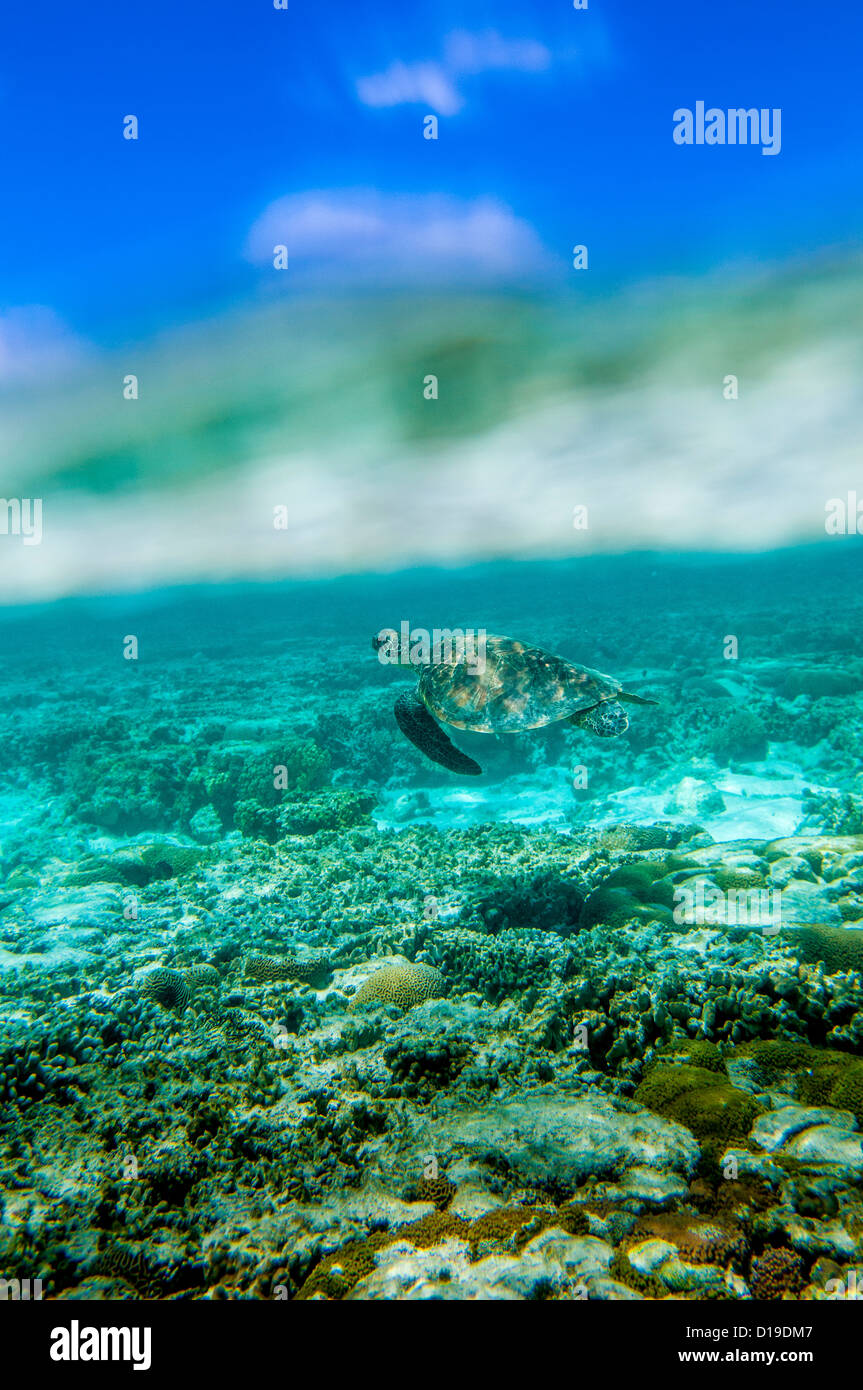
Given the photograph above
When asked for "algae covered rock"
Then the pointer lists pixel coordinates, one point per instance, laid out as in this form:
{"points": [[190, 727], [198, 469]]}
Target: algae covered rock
{"points": [[554, 1141], [693, 797], [817, 1076], [331, 809], [777, 1273], [773, 1130], [551, 1265], [334, 809], [237, 773]]}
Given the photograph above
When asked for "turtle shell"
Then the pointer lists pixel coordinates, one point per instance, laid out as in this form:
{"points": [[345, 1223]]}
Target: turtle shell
{"points": [[520, 688]]}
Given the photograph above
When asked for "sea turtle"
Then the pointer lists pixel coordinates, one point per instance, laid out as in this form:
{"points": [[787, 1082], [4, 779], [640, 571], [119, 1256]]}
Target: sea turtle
{"points": [[517, 687]]}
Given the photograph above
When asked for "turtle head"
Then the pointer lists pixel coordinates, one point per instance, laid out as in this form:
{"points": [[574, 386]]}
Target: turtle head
{"points": [[386, 644], [606, 720]]}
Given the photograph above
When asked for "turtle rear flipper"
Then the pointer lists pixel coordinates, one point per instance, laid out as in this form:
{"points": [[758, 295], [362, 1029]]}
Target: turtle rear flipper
{"points": [[425, 734]]}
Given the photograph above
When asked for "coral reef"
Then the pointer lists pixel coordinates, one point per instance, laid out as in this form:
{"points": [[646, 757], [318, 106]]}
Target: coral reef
{"points": [[315, 967], [285, 1014], [778, 1273]]}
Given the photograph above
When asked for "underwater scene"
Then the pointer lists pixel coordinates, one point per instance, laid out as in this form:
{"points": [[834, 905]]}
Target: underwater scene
{"points": [[431, 663], [289, 1007]]}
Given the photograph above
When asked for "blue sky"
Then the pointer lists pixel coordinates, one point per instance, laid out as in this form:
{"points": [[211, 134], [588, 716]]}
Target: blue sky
{"points": [[555, 127]]}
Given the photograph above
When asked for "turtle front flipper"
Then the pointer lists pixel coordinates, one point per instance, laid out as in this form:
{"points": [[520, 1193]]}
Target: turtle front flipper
{"points": [[425, 734]]}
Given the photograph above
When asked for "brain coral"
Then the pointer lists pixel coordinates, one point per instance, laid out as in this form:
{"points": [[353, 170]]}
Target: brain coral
{"points": [[438, 1190], [165, 987], [313, 967], [202, 976], [404, 985]]}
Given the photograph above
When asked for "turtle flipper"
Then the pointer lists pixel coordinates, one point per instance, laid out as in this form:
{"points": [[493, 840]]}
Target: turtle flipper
{"points": [[425, 734]]}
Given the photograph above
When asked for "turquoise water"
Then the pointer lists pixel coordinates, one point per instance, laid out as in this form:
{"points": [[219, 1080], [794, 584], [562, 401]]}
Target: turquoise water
{"points": [[590, 1024]]}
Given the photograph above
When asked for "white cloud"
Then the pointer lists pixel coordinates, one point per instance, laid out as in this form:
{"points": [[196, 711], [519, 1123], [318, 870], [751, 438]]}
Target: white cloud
{"points": [[472, 53], [34, 342], [434, 84], [398, 235], [403, 83]]}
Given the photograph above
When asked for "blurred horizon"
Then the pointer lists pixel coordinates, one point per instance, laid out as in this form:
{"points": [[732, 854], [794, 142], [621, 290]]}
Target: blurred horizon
{"points": [[305, 391]]}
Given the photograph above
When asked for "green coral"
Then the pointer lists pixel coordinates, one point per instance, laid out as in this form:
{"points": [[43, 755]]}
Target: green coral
{"points": [[549, 901], [640, 891], [334, 809], [166, 987], [431, 1230], [711, 1108], [337, 1274], [777, 1273], [847, 1092], [729, 878], [822, 1076], [237, 774], [438, 1190], [840, 948], [573, 1219], [696, 1052], [837, 1082], [741, 736], [313, 967], [405, 985], [647, 1285], [504, 1223], [496, 966], [773, 1056]]}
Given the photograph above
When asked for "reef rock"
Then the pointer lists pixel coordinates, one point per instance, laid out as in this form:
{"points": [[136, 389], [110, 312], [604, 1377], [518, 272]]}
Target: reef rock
{"points": [[550, 1138]]}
